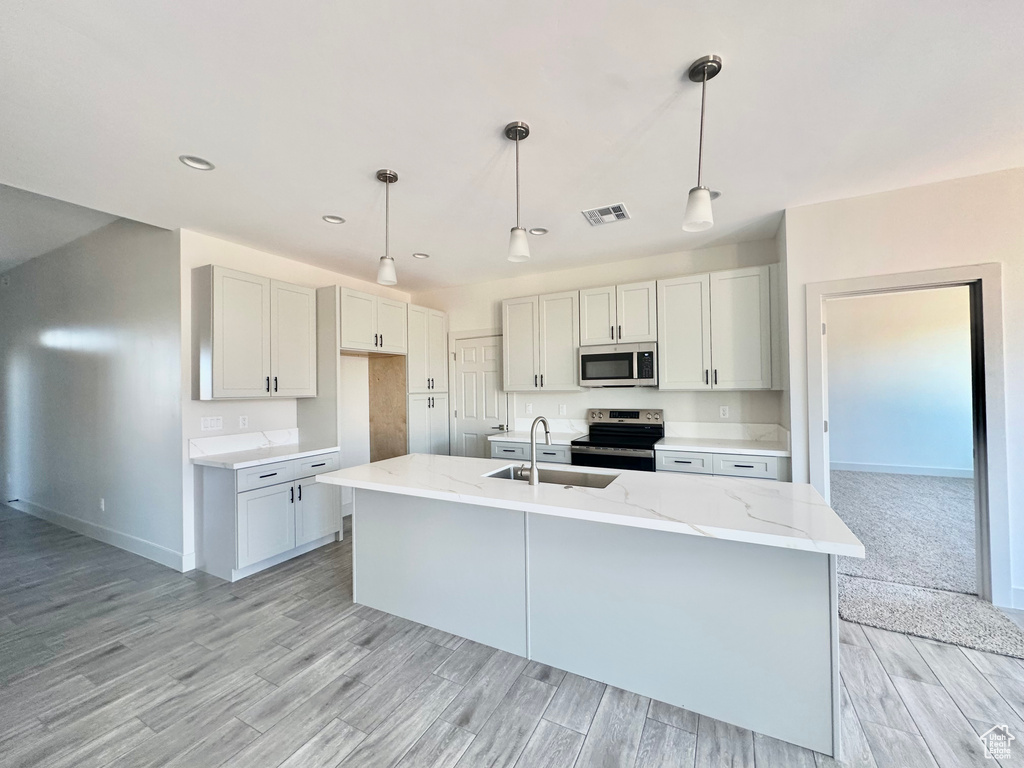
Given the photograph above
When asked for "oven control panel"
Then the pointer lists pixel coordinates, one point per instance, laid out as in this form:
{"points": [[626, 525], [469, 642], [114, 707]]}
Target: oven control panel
{"points": [[620, 416]]}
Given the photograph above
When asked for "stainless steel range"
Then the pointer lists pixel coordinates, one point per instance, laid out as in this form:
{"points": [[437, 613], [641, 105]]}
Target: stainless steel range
{"points": [[619, 439]]}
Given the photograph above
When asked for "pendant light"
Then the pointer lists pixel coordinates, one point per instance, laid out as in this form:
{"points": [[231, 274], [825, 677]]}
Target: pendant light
{"points": [[518, 247], [386, 274], [698, 215]]}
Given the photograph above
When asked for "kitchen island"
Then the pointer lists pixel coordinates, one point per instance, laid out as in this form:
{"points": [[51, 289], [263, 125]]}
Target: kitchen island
{"points": [[714, 594]]}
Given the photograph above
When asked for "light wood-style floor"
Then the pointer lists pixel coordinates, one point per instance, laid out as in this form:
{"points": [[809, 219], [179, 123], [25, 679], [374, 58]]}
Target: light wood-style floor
{"points": [[109, 659]]}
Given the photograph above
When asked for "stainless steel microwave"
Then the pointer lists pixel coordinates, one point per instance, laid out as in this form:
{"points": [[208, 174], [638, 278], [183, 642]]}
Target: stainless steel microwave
{"points": [[619, 365]]}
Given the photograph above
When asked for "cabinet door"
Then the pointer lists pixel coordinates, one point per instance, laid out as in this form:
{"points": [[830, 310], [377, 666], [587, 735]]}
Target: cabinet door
{"points": [[317, 510], [292, 340], [358, 320], [520, 334], [241, 334], [392, 322], [437, 350], [559, 331], [684, 333], [438, 417], [266, 523], [416, 361], [418, 420], [597, 316], [637, 312], [741, 329]]}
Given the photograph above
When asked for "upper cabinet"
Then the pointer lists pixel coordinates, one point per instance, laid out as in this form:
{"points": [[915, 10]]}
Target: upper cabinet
{"points": [[714, 331], [251, 336], [539, 340], [427, 360], [619, 314], [372, 323]]}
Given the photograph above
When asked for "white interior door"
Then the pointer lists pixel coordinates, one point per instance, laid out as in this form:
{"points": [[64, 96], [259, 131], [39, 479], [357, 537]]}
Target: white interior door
{"points": [[597, 316], [481, 408], [637, 312]]}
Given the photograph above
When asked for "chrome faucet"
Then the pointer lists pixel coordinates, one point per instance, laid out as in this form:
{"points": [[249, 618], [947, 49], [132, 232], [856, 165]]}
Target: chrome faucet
{"points": [[534, 474]]}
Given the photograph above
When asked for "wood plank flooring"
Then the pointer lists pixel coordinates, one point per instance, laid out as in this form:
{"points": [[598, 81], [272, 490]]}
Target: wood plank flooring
{"points": [[107, 659]]}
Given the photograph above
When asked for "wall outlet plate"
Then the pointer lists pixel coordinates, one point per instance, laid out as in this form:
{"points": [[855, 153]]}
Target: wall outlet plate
{"points": [[243, 422], [103, 505], [723, 411], [529, 408], [561, 409]]}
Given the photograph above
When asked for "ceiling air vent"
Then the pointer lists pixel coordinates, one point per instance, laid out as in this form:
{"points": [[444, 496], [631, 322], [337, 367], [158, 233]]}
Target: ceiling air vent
{"points": [[607, 214]]}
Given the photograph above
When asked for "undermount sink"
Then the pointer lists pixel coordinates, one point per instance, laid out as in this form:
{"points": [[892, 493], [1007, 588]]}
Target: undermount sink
{"points": [[555, 476]]}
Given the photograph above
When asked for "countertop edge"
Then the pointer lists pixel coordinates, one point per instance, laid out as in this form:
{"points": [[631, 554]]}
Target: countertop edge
{"points": [[216, 461]]}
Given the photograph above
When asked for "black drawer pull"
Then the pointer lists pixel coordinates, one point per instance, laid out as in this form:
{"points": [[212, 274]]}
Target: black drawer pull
{"points": [[264, 477], [509, 450], [680, 461], [549, 453], [321, 464], [743, 466]]}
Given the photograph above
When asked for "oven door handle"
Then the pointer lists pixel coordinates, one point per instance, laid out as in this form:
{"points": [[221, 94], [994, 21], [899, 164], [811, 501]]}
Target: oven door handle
{"points": [[630, 452]]}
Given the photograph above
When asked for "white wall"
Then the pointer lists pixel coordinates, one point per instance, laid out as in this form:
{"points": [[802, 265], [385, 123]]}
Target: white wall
{"points": [[953, 223], [199, 250], [478, 307], [899, 382], [90, 403]]}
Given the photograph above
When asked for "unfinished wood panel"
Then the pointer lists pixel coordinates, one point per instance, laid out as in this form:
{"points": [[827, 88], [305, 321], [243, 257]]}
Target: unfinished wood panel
{"points": [[387, 407]]}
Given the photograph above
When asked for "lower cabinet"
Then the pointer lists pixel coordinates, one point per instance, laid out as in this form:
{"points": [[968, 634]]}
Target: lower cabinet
{"points": [[244, 529], [724, 464], [552, 454], [428, 424]]}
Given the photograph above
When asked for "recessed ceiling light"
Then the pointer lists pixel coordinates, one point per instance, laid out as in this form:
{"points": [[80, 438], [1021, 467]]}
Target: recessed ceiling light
{"points": [[196, 162], [421, 255], [538, 230], [332, 219]]}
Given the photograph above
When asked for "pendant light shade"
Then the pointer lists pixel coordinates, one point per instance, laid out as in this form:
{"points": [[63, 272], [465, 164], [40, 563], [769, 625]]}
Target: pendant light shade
{"points": [[386, 274], [698, 216], [518, 247]]}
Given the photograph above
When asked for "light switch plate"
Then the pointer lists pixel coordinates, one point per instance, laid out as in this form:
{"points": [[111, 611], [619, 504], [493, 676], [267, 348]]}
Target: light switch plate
{"points": [[210, 423]]}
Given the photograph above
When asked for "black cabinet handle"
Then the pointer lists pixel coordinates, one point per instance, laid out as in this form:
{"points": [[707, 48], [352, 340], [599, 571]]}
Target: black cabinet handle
{"points": [[612, 332], [542, 379], [375, 339], [293, 495], [275, 383], [321, 464], [743, 466], [706, 376], [716, 375], [508, 450], [680, 461], [548, 453], [382, 339], [300, 493], [268, 383], [272, 474], [620, 333], [535, 379]]}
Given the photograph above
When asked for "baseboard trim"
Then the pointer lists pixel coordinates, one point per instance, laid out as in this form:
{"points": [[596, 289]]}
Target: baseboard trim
{"points": [[895, 469], [135, 545], [1016, 598]]}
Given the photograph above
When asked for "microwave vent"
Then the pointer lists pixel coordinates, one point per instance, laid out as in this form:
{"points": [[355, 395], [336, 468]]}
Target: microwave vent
{"points": [[607, 214]]}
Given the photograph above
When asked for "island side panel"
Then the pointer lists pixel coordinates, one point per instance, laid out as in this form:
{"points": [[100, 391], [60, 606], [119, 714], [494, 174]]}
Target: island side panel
{"points": [[456, 567], [739, 632]]}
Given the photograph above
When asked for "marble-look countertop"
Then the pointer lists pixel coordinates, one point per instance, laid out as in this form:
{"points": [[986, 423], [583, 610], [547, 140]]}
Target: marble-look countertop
{"points": [[258, 456], [715, 445], [557, 438], [788, 515]]}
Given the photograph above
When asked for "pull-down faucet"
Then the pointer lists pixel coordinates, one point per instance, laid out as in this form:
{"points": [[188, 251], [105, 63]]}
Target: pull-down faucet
{"points": [[534, 473]]}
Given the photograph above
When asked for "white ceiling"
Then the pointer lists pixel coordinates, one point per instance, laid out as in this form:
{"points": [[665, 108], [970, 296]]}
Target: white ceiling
{"points": [[299, 104], [31, 225]]}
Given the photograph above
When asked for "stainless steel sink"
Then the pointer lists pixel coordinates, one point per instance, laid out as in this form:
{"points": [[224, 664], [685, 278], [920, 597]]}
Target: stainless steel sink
{"points": [[555, 476]]}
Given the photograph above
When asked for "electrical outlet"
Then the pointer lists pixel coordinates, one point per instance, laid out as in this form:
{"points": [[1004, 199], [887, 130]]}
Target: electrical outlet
{"points": [[210, 423], [103, 505], [529, 409], [5, 281], [561, 409], [243, 422], [723, 411]]}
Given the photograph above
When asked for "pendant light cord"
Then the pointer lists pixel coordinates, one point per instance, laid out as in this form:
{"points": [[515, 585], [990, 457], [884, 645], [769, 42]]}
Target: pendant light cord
{"points": [[700, 145], [517, 181], [387, 219]]}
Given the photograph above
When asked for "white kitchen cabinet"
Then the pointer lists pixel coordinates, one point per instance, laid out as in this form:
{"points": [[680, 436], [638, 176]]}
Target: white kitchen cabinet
{"points": [[266, 523], [741, 329], [724, 464], [714, 331], [372, 323], [427, 419], [619, 314], [427, 360], [552, 454], [251, 336], [539, 339], [684, 332], [292, 340], [317, 510]]}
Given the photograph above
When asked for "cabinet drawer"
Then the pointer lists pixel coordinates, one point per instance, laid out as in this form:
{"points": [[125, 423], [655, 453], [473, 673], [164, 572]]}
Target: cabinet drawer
{"points": [[555, 454], [682, 461], [510, 450], [766, 467], [264, 475], [318, 465]]}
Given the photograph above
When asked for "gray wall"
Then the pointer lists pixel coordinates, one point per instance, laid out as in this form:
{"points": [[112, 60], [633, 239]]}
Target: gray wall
{"points": [[90, 387]]}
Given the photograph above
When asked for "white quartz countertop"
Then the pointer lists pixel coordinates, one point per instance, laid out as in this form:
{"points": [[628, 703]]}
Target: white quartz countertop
{"points": [[557, 438], [706, 445], [788, 515], [258, 456]]}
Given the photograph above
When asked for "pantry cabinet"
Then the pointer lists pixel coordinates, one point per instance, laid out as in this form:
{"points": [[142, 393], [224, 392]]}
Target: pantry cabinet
{"points": [[540, 342], [372, 323], [427, 419], [252, 337], [427, 359], [714, 331], [619, 314]]}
